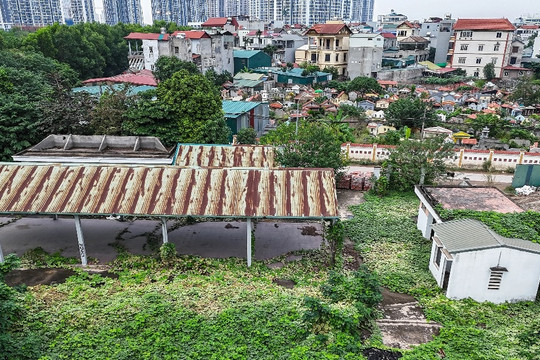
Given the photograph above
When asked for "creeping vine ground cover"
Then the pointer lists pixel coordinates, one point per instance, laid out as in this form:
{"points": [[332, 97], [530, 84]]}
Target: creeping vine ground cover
{"points": [[384, 230]]}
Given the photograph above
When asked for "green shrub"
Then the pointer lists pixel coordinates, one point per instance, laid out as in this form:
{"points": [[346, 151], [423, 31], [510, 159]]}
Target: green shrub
{"points": [[247, 136], [167, 252]]}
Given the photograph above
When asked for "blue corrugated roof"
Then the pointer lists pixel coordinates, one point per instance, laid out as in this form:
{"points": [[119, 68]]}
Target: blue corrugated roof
{"points": [[245, 54], [98, 90], [235, 108]]}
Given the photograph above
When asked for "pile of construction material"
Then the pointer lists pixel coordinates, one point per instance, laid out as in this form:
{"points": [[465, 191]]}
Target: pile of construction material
{"points": [[525, 190], [356, 180]]}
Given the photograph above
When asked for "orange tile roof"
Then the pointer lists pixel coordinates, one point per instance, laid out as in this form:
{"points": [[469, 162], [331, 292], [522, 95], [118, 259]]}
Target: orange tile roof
{"points": [[328, 28], [146, 36], [484, 24], [193, 34]]}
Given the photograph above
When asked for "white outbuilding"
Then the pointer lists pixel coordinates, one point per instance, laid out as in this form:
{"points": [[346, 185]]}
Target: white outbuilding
{"points": [[469, 260]]}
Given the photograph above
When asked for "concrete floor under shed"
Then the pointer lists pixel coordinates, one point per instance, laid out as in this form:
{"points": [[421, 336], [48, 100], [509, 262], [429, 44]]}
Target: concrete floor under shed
{"points": [[206, 239]]}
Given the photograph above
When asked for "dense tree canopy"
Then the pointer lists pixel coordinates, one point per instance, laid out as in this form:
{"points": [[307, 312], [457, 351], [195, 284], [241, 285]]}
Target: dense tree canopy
{"points": [[27, 83], [411, 160], [166, 66], [196, 106], [316, 145], [527, 92], [410, 112], [365, 85]]}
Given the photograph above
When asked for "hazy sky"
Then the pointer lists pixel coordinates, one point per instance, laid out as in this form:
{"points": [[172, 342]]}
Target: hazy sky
{"points": [[422, 9]]}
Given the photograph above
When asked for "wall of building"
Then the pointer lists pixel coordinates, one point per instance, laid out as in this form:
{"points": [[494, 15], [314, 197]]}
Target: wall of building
{"points": [[470, 274], [463, 158], [400, 75]]}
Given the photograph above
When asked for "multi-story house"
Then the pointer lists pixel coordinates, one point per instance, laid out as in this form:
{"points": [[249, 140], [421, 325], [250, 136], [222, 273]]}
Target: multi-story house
{"points": [[438, 31], [524, 32], [365, 55], [5, 16], [328, 45], [391, 19], [407, 29], [197, 46], [477, 42]]}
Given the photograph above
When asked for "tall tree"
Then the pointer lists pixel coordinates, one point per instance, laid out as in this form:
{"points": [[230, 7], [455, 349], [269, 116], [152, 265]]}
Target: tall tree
{"points": [[166, 66], [149, 116], [410, 112], [527, 92], [316, 145], [413, 162], [364, 85], [489, 71], [196, 106]]}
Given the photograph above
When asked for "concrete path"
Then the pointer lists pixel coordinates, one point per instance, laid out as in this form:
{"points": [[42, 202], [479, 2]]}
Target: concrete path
{"points": [[207, 239]]}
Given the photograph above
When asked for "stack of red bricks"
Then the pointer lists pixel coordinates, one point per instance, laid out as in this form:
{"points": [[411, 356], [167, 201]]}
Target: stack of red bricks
{"points": [[356, 180]]}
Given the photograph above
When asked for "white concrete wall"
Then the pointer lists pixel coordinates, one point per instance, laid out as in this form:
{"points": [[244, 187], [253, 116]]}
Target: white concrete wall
{"points": [[463, 158], [151, 53], [470, 274]]}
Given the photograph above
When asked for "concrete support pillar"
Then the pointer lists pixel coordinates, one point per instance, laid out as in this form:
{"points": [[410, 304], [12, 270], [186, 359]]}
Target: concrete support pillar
{"points": [[80, 239], [164, 231], [248, 240]]}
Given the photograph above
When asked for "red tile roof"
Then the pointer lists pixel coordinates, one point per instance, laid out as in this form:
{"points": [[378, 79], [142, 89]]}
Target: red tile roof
{"points": [[147, 36], [193, 34], [409, 24], [533, 27], [330, 29], [484, 24], [510, 67], [469, 141], [388, 35], [219, 22], [143, 77]]}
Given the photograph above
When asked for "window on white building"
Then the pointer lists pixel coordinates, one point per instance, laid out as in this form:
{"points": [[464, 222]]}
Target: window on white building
{"points": [[464, 46], [176, 50], [495, 278], [494, 60], [466, 34], [496, 47], [506, 73], [402, 33], [481, 47], [337, 57], [461, 60], [499, 35], [438, 256], [344, 57], [478, 60], [476, 74], [327, 57]]}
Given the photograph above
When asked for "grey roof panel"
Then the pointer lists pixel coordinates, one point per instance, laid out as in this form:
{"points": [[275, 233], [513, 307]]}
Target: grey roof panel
{"points": [[465, 235], [469, 235]]}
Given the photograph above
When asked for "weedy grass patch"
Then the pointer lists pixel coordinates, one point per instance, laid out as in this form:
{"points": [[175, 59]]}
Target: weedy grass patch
{"points": [[384, 231]]}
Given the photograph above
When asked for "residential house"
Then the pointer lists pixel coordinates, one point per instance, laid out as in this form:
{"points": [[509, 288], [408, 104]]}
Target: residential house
{"points": [[524, 32], [391, 18], [514, 72], [390, 41], [221, 24], [477, 42], [250, 59], [286, 45], [251, 82], [377, 129], [469, 260], [438, 31], [407, 29], [243, 114], [365, 55], [366, 105], [328, 45], [195, 46], [437, 131], [382, 104], [414, 46]]}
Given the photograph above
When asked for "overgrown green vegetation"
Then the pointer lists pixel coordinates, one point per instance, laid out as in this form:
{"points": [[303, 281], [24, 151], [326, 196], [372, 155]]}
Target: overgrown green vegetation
{"points": [[384, 230], [524, 225]]}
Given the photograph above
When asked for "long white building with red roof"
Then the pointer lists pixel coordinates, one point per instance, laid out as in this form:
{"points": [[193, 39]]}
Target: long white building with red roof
{"points": [[478, 42]]}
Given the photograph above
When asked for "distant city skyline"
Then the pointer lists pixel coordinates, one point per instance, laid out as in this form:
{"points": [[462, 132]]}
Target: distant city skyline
{"points": [[423, 9]]}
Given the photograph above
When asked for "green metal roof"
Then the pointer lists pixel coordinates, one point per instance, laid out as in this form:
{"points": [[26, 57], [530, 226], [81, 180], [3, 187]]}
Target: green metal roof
{"points": [[233, 109], [245, 54], [470, 235], [247, 83]]}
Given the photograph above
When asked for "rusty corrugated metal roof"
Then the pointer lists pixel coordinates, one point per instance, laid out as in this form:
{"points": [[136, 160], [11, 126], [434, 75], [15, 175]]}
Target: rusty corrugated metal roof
{"points": [[167, 191], [248, 156]]}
